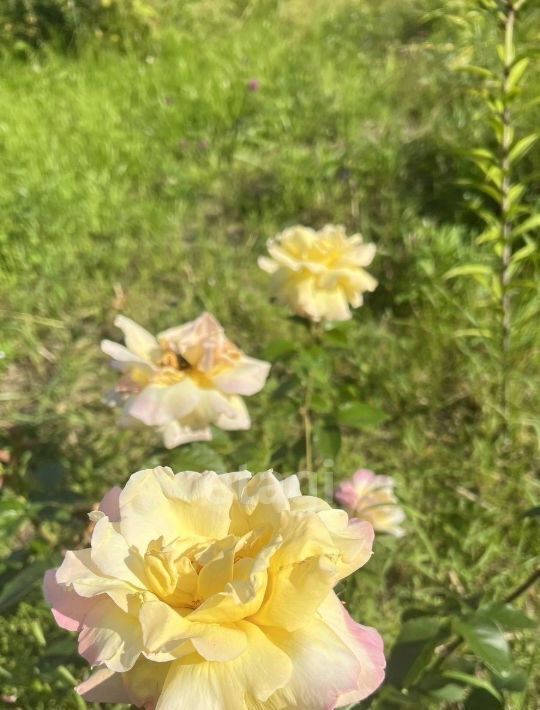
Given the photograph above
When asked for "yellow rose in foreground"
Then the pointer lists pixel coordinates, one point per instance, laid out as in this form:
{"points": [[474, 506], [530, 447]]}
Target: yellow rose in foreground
{"points": [[319, 274], [215, 592], [184, 380]]}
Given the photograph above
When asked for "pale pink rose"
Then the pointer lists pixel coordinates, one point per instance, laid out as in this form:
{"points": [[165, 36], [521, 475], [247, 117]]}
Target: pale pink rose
{"points": [[319, 275], [370, 497], [184, 380], [215, 592]]}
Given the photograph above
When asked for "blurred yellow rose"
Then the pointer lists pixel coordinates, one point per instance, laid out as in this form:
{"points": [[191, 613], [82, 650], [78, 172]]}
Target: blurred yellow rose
{"points": [[370, 497], [184, 380], [319, 275], [215, 592]]}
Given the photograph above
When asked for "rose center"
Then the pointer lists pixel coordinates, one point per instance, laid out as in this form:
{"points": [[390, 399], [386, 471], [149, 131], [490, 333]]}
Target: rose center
{"points": [[174, 361], [171, 576]]}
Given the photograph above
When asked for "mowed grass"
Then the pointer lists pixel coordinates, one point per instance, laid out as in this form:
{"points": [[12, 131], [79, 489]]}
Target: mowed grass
{"points": [[147, 183]]}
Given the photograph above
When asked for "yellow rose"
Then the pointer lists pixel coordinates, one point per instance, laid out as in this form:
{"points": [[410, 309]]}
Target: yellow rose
{"points": [[319, 274], [215, 592], [184, 380]]}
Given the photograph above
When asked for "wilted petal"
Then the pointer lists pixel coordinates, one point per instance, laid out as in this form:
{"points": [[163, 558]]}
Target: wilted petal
{"points": [[123, 359], [157, 405], [138, 340], [247, 378], [212, 404], [236, 417], [175, 434]]}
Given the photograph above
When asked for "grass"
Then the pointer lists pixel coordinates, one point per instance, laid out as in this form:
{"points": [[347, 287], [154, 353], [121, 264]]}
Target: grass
{"points": [[147, 182]]}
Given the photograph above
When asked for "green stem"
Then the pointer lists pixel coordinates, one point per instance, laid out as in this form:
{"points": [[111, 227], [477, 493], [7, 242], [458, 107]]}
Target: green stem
{"points": [[506, 223], [308, 428], [526, 585], [305, 411]]}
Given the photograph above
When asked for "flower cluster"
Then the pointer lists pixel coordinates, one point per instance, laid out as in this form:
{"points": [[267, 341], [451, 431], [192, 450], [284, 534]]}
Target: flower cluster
{"points": [[184, 380], [215, 592], [319, 274]]}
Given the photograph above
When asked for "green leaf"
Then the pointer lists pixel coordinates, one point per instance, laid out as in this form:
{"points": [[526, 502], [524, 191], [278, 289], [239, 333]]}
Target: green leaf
{"points": [[522, 147], [477, 71], [473, 333], [22, 584], [63, 648], [485, 638], [277, 349], [489, 235], [419, 628], [321, 402], [515, 681], [482, 154], [473, 681], [197, 457], [532, 512], [496, 288], [360, 416], [528, 225], [530, 104], [494, 193], [480, 699], [328, 440], [468, 270], [391, 699], [523, 253], [516, 73], [515, 194], [287, 389], [506, 53], [508, 617], [337, 338], [414, 649], [450, 693]]}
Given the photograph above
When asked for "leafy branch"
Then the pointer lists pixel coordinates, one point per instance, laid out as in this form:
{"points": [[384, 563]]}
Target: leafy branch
{"points": [[508, 219], [422, 664]]}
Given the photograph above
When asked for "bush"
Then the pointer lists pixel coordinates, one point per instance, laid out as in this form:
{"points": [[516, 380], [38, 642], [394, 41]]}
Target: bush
{"points": [[32, 23]]}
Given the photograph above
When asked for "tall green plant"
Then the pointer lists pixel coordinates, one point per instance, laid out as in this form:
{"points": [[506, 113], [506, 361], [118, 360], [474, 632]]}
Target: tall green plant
{"points": [[510, 219]]}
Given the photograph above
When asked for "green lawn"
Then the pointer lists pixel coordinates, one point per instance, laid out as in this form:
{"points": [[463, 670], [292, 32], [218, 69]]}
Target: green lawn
{"points": [[147, 182]]}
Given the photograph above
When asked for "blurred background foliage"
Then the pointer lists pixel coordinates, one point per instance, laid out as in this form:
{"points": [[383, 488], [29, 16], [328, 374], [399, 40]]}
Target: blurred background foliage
{"points": [[148, 149]]}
